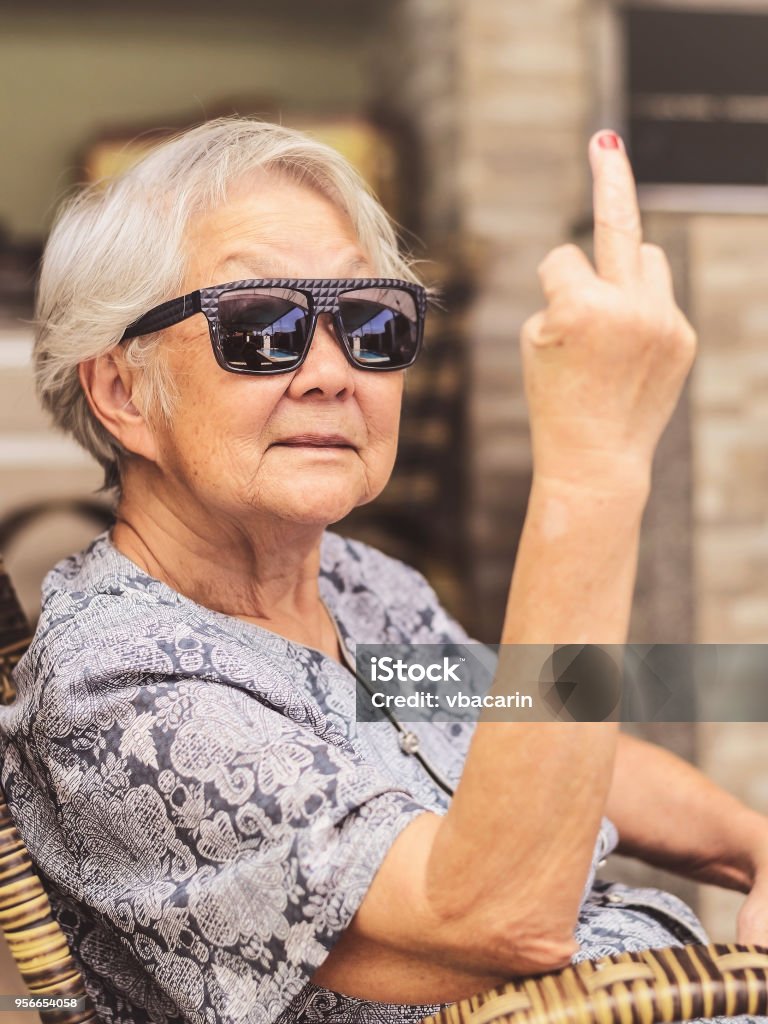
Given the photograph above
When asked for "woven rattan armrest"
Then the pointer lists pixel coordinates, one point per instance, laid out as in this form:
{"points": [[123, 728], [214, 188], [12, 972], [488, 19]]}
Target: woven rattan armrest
{"points": [[35, 940], [655, 986]]}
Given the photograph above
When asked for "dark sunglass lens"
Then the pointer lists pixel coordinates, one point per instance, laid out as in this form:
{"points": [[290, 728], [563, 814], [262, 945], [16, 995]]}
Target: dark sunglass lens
{"points": [[381, 325], [263, 329]]}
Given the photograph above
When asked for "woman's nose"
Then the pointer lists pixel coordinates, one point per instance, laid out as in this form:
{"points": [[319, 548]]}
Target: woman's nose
{"points": [[326, 368]]}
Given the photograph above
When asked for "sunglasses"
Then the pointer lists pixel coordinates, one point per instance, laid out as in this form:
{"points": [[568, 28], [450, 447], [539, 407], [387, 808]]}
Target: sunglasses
{"points": [[266, 326]]}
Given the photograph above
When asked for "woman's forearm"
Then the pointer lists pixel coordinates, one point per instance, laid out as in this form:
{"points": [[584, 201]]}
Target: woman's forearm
{"points": [[670, 815], [576, 564], [573, 582]]}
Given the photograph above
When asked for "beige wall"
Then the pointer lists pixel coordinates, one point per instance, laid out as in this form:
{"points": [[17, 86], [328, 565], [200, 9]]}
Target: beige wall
{"points": [[69, 74], [522, 185]]}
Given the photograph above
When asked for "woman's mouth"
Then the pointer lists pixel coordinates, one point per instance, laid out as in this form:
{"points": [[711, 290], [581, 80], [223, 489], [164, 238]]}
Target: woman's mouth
{"points": [[315, 441]]}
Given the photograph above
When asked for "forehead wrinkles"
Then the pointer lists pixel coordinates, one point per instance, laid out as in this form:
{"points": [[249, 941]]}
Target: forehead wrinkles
{"points": [[267, 234], [265, 207], [264, 263]]}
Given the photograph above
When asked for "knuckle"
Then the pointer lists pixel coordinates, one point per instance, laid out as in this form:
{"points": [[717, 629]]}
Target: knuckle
{"points": [[656, 325], [568, 251], [688, 340], [669, 328], [544, 268], [582, 309], [653, 251], [623, 220], [539, 331], [672, 324], [531, 327], [546, 262], [559, 257], [655, 260]]}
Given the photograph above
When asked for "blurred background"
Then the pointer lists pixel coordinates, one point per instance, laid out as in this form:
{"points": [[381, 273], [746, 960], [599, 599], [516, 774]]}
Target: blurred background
{"points": [[470, 118]]}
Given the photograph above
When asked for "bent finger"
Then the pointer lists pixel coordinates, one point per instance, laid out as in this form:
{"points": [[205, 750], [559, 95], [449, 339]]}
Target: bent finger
{"points": [[537, 332], [565, 268], [656, 269], [618, 232]]}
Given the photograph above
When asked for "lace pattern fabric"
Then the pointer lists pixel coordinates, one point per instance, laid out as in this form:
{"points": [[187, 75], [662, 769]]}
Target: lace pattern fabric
{"points": [[206, 813]]}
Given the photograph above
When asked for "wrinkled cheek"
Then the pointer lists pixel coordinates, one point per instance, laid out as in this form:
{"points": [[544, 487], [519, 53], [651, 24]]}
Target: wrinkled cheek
{"points": [[382, 412], [238, 459], [383, 435], [379, 463], [217, 465], [384, 432]]}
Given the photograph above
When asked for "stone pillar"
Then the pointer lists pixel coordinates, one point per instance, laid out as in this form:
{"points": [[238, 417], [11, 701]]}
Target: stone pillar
{"points": [[522, 181]]}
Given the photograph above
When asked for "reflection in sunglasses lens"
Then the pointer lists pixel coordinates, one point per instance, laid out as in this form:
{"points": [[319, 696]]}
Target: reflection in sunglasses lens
{"points": [[263, 329], [380, 325]]}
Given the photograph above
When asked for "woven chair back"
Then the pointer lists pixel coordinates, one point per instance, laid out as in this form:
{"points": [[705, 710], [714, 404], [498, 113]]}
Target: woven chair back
{"points": [[35, 940]]}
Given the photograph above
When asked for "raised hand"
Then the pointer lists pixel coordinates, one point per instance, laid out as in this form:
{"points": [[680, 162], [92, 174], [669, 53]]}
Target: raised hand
{"points": [[605, 362]]}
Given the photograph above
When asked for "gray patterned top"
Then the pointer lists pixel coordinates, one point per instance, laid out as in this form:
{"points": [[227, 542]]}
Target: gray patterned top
{"points": [[204, 809]]}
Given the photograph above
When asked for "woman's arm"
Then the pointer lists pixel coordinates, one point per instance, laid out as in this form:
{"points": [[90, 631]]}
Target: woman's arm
{"points": [[715, 838], [493, 888]]}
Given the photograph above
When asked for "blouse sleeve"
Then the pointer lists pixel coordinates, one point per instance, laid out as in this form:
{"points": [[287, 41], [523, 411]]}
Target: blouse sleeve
{"points": [[227, 846]]}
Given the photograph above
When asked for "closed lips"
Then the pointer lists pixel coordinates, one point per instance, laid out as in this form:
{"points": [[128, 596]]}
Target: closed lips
{"points": [[316, 441]]}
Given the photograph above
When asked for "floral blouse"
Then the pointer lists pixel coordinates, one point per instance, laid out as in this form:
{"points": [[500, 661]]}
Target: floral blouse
{"points": [[205, 811]]}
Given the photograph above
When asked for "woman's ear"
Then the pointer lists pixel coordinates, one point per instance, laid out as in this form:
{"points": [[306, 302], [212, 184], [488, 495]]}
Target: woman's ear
{"points": [[109, 387]]}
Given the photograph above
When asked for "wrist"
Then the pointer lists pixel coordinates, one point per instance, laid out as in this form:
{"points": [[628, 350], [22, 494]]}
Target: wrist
{"points": [[601, 472], [625, 487], [576, 563], [746, 858], [756, 859]]}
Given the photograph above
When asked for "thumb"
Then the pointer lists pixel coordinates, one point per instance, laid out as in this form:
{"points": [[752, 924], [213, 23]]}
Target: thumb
{"points": [[752, 920]]}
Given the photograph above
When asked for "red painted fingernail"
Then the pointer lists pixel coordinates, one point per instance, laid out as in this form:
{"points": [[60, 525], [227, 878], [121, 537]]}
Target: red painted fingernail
{"points": [[609, 140]]}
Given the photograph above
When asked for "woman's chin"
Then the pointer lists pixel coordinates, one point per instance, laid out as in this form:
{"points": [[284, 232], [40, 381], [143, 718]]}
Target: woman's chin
{"points": [[320, 506], [315, 517]]}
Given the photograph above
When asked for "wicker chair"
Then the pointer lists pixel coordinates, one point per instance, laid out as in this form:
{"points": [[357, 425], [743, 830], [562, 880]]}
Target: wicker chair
{"points": [[36, 941], [632, 988]]}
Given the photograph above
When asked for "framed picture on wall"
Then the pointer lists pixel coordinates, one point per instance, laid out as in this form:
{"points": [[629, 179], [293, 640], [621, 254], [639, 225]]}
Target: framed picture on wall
{"points": [[368, 147]]}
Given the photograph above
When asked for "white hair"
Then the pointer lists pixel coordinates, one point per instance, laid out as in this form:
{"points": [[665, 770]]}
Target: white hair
{"points": [[117, 250]]}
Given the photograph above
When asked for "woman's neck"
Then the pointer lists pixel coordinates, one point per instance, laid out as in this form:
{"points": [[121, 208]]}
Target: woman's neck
{"points": [[267, 575]]}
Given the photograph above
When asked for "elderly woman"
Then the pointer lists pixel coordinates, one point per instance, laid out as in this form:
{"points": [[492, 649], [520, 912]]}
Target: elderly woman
{"points": [[226, 328]]}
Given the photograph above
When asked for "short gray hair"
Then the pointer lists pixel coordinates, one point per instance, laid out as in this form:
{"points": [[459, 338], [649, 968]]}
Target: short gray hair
{"points": [[116, 250]]}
